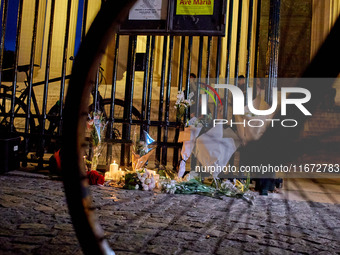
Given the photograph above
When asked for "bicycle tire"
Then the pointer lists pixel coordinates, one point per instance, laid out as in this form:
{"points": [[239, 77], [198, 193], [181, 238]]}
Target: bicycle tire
{"points": [[135, 112], [19, 119], [89, 233]]}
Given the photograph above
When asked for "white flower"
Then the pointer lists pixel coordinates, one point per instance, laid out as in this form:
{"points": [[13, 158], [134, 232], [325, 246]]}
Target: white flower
{"points": [[180, 96], [137, 186], [152, 185], [173, 190]]}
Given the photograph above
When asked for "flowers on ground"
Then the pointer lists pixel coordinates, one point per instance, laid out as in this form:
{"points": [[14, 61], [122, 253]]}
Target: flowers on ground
{"points": [[147, 179], [225, 188], [140, 180], [169, 186], [95, 178]]}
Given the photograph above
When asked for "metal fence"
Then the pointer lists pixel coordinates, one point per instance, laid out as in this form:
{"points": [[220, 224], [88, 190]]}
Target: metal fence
{"points": [[164, 68]]}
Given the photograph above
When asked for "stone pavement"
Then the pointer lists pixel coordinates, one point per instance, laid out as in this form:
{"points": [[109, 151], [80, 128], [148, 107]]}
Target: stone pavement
{"points": [[34, 220]]}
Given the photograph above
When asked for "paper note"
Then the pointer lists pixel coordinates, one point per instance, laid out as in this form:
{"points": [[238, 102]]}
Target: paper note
{"points": [[149, 10], [195, 7]]}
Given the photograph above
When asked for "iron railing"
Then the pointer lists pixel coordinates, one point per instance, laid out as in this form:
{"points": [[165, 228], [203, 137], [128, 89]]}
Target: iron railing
{"points": [[174, 75]]}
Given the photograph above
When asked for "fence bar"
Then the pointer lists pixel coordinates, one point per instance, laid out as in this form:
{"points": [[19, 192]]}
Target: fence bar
{"points": [[152, 58], [95, 93], [218, 67], [257, 45], [161, 99], [250, 26], [180, 82], [130, 77], [3, 34], [167, 103], [199, 73], [187, 82], [111, 118], [63, 72], [208, 60], [30, 80], [84, 21], [181, 64], [114, 84], [238, 41], [227, 72], [47, 76], [273, 47], [16, 61], [145, 82]]}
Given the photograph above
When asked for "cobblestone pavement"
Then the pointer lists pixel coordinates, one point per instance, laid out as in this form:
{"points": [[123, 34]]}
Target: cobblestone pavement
{"points": [[34, 220]]}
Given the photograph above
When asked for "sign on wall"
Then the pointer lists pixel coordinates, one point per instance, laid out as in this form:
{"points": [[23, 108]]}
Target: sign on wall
{"points": [[195, 7], [177, 17], [149, 10]]}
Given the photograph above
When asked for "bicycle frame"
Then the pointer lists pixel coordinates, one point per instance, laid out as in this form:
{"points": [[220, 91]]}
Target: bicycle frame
{"points": [[39, 131]]}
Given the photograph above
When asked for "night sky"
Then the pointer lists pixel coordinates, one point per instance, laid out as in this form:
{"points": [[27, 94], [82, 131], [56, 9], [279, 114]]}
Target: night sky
{"points": [[12, 24]]}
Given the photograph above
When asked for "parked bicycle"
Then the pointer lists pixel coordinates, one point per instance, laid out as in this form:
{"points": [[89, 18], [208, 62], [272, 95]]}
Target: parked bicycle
{"points": [[35, 141], [51, 137]]}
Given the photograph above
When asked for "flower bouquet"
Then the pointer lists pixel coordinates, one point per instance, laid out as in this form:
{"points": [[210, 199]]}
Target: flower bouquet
{"points": [[225, 188], [182, 105], [95, 178], [142, 179], [96, 125], [141, 150]]}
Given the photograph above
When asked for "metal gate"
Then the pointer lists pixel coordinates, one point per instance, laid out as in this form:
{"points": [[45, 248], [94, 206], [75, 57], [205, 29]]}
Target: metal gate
{"points": [[136, 84]]}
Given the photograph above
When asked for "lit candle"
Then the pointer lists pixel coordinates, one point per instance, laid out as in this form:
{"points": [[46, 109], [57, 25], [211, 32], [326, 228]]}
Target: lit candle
{"points": [[121, 174], [114, 171], [84, 157]]}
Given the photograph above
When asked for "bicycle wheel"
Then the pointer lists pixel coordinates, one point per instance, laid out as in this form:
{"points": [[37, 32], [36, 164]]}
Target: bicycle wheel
{"points": [[20, 109], [119, 109], [89, 233]]}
